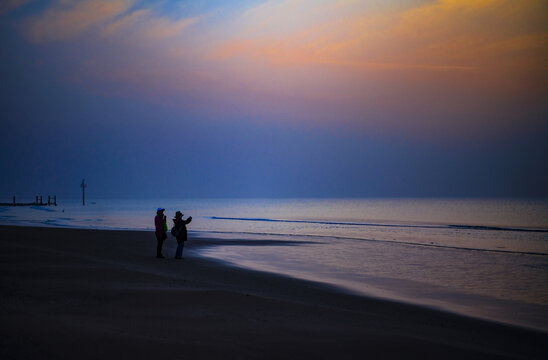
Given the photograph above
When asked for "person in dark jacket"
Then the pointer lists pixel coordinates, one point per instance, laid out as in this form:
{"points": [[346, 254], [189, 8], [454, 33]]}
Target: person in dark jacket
{"points": [[179, 231], [161, 231]]}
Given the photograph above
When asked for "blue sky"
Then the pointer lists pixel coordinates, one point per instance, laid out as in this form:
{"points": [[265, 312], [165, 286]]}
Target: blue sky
{"points": [[274, 98]]}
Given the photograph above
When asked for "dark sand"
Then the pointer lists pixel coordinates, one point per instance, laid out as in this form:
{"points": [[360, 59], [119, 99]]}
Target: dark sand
{"points": [[88, 294]]}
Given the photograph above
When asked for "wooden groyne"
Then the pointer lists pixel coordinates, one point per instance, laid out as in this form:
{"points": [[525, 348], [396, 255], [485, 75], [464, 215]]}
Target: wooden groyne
{"points": [[52, 201]]}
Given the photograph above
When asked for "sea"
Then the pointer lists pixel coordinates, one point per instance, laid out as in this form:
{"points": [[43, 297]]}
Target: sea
{"points": [[483, 258]]}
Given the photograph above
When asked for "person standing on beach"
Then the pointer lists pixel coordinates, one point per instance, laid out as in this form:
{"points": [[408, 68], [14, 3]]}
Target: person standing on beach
{"points": [[179, 231], [161, 231]]}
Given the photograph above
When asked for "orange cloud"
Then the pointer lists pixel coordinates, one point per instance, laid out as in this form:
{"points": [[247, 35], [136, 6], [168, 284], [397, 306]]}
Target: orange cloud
{"points": [[443, 35], [375, 64], [442, 63], [68, 19]]}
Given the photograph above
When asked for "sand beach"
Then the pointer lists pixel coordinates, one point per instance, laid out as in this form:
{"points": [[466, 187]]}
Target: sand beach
{"points": [[88, 294]]}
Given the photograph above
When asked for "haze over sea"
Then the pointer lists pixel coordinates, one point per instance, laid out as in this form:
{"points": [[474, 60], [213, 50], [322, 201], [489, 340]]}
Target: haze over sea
{"points": [[479, 257]]}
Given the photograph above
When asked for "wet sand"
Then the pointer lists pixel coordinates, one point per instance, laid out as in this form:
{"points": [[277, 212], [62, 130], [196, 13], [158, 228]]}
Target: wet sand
{"points": [[92, 294]]}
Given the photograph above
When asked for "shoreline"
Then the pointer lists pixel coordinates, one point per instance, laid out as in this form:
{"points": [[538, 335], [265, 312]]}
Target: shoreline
{"points": [[207, 239], [64, 290], [447, 303]]}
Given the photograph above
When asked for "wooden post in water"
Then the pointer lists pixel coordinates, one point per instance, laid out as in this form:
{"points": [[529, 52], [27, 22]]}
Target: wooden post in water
{"points": [[13, 200], [55, 200], [83, 185], [41, 203], [49, 200]]}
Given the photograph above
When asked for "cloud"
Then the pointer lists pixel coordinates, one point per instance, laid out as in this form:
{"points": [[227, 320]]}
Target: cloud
{"points": [[123, 23], [373, 65], [398, 68], [7, 6], [145, 25], [441, 35], [69, 19], [471, 32]]}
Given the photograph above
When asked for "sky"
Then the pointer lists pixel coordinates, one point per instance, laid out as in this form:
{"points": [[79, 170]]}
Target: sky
{"points": [[294, 98]]}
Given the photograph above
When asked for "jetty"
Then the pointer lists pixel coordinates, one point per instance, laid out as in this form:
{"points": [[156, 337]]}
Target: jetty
{"points": [[52, 201]]}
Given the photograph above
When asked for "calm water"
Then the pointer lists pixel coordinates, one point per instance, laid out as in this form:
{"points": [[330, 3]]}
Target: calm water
{"points": [[485, 258]]}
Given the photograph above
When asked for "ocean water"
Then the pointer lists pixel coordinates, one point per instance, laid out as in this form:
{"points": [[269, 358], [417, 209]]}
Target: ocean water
{"points": [[479, 257]]}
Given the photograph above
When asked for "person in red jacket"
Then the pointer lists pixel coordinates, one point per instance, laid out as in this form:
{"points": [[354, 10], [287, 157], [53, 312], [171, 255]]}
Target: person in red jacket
{"points": [[161, 231]]}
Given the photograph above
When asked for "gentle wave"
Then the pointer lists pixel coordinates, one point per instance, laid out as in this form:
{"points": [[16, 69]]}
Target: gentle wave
{"points": [[399, 242], [462, 227], [198, 232]]}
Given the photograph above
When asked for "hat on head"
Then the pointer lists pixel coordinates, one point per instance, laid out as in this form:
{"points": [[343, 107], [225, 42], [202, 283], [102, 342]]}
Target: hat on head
{"points": [[178, 214], [160, 209]]}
